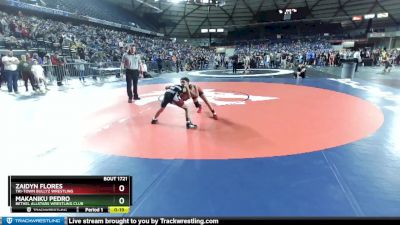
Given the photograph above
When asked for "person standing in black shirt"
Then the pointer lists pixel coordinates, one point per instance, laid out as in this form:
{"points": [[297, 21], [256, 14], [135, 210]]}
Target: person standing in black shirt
{"points": [[235, 59]]}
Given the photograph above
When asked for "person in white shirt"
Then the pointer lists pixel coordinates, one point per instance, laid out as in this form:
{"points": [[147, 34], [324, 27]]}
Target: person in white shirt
{"points": [[132, 64], [267, 60], [11, 71], [246, 63], [121, 45], [357, 58], [143, 70], [38, 73], [80, 67], [4, 26]]}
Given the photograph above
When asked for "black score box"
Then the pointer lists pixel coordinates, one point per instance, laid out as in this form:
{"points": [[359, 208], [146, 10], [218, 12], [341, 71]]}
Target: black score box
{"points": [[44, 209], [63, 193], [102, 209]]}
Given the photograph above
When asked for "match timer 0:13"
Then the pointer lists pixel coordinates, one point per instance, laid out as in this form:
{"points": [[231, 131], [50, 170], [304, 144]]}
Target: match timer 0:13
{"points": [[118, 209]]}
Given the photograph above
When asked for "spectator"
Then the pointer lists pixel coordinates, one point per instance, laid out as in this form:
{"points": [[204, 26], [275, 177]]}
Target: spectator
{"points": [[47, 66], [58, 63], [357, 58], [301, 71], [283, 60], [267, 60], [159, 63], [36, 57], [2, 75], [11, 71], [386, 61], [234, 63], [38, 72], [80, 67], [143, 70], [174, 60], [246, 63], [24, 68], [272, 56], [3, 25]]}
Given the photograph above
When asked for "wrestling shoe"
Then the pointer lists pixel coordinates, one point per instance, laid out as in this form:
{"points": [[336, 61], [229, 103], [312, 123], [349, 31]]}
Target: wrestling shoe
{"points": [[215, 116], [190, 125], [154, 121]]}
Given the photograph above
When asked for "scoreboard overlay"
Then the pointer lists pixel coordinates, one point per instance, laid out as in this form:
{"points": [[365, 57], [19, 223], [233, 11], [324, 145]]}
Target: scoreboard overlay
{"points": [[70, 194]]}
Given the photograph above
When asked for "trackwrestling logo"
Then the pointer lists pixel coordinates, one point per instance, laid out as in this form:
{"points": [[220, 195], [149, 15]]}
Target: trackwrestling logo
{"points": [[34, 220], [219, 98]]}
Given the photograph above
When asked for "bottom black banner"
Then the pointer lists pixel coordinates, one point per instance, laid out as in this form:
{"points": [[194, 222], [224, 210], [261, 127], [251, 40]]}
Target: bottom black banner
{"points": [[212, 221]]}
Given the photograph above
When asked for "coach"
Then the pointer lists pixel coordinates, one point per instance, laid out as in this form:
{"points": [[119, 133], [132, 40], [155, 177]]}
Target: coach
{"points": [[132, 64]]}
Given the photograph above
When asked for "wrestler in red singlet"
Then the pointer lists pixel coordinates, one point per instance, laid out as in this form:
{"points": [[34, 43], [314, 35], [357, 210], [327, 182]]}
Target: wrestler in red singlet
{"points": [[197, 92]]}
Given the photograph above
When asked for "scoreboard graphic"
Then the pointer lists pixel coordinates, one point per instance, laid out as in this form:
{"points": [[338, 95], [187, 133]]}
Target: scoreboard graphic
{"points": [[70, 194]]}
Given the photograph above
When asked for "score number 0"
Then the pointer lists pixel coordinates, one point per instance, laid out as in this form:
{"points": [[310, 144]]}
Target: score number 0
{"points": [[121, 200]]}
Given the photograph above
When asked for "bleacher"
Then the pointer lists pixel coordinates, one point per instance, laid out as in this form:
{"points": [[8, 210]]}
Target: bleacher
{"points": [[97, 9]]}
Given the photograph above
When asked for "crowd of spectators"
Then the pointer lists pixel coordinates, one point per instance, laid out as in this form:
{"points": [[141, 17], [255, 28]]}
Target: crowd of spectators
{"points": [[57, 43], [287, 54], [93, 43]]}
